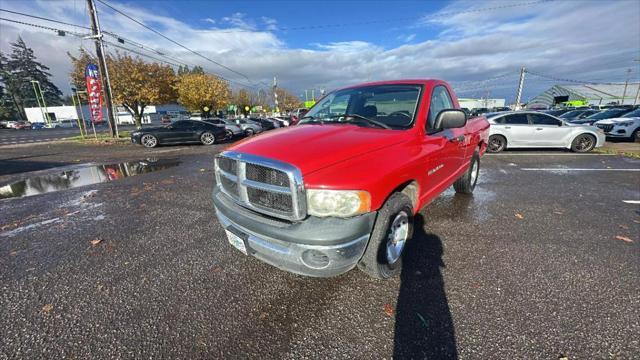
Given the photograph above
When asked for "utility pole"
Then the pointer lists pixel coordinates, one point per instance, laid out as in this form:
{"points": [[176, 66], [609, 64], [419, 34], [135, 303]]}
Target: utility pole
{"points": [[520, 86], [626, 83], [102, 64], [275, 94]]}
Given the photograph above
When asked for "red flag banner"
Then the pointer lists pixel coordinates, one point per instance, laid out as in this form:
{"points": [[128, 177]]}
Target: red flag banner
{"points": [[94, 92]]}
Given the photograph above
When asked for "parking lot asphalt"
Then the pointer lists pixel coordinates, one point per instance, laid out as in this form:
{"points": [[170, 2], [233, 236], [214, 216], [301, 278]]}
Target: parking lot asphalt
{"points": [[541, 262]]}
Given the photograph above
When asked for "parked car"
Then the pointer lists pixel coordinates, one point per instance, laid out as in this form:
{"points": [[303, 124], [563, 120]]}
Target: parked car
{"points": [[180, 132], [500, 109], [22, 125], [555, 112], [38, 126], [65, 123], [602, 115], [249, 127], [627, 126], [531, 129], [266, 124], [577, 114], [307, 202], [229, 126]]}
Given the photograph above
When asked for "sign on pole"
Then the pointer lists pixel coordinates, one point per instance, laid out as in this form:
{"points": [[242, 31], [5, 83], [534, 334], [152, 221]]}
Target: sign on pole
{"points": [[94, 92]]}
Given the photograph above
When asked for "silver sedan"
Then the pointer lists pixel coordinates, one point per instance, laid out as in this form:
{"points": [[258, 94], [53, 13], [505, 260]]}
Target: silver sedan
{"points": [[530, 129]]}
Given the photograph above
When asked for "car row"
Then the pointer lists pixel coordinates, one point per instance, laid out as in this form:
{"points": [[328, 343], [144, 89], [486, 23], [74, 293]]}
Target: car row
{"points": [[207, 131]]}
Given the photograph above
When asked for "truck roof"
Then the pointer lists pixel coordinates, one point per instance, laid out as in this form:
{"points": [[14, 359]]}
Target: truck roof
{"points": [[397, 82]]}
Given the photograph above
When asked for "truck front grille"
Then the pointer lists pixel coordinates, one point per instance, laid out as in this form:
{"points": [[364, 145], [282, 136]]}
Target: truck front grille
{"points": [[264, 185]]}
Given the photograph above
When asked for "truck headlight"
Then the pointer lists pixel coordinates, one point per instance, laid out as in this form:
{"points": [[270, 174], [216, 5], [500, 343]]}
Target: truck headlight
{"points": [[338, 203]]}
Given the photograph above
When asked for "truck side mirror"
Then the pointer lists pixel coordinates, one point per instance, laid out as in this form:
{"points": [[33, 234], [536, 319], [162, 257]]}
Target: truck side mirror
{"points": [[450, 118]]}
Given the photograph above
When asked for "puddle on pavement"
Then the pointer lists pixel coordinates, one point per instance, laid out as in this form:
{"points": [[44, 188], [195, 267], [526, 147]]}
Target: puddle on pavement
{"points": [[81, 176]]}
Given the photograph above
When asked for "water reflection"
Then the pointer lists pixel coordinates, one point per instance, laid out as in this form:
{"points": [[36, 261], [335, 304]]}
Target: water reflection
{"points": [[81, 176]]}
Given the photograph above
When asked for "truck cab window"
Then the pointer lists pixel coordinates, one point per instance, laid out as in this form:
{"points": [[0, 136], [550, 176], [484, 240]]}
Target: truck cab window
{"points": [[440, 100]]}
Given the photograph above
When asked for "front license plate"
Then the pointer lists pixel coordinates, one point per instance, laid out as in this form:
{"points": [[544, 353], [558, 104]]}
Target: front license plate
{"points": [[236, 241]]}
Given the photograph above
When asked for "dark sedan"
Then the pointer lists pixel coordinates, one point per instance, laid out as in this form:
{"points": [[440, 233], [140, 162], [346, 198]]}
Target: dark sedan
{"points": [[603, 115], [578, 114], [180, 132], [266, 124]]}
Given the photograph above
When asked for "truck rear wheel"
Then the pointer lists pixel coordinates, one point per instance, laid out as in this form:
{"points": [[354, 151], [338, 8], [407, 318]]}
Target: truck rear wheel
{"points": [[467, 182], [393, 228]]}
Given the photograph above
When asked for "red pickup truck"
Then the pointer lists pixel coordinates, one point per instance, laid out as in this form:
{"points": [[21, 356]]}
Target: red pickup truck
{"points": [[340, 189]]}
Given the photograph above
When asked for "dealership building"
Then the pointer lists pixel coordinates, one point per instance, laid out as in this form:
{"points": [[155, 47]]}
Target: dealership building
{"points": [[594, 94], [152, 113]]}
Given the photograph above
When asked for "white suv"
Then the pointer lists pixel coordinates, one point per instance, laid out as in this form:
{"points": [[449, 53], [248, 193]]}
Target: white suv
{"points": [[627, 126]]}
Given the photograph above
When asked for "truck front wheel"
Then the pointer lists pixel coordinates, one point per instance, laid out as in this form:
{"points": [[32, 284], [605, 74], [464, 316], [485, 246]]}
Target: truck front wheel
{"points": [[393, 228]]}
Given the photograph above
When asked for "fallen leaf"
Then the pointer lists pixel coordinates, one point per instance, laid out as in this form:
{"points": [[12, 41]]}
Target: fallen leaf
{"points": [[216, 269], [624, 238], [624, 226], [47, 308], [95, 242], [636, 221], [424, 322], [388, 309], [203, 170], [263, 315], [13, 253], [519, 216]]}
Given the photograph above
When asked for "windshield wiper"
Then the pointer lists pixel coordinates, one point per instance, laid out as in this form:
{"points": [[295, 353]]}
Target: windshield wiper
{"points": [[370, 121], [311, 120]]}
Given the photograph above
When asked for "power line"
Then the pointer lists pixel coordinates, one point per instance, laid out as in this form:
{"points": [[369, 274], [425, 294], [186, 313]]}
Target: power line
{"points": [[171, 40], [46, 19], [551, 77], [81, 36]]}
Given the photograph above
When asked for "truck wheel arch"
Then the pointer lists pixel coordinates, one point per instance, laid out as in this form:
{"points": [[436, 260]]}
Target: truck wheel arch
{"points": [[411, 189]]}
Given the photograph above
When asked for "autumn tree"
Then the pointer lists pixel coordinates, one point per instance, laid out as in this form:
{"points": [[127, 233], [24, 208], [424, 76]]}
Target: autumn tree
{"points": [[287, 101], [134, 82], [202, 92]]}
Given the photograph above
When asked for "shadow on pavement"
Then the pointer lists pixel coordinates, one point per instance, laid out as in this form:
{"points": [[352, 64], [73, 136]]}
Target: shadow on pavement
{"points": [[424, 328]]}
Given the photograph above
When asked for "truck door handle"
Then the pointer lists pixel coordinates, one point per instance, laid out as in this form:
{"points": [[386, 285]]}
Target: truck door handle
{"points": [[457, 139]]}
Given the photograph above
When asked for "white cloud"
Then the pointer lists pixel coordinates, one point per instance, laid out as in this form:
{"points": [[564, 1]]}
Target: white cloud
{"points": [[406, 37], [582, 40], [209, 20]]}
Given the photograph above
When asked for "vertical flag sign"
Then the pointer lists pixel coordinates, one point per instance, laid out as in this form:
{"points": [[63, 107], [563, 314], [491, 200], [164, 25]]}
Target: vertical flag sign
{"points": [[94, 92]]}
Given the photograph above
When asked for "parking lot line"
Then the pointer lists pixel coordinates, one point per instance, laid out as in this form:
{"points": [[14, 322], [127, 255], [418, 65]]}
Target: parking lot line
{"points": [[631, 201], [574, 169]]}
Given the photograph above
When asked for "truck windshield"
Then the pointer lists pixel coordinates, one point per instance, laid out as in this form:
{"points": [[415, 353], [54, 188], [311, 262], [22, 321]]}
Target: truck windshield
{"points": [[382, 106]]}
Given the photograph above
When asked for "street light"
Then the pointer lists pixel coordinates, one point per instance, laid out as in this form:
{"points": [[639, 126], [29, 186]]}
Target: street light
{"points": [[40, 101]]}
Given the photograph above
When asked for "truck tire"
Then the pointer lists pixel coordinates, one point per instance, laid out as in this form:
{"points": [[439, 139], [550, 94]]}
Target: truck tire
{"points": [[393, 228], [467, 182]]}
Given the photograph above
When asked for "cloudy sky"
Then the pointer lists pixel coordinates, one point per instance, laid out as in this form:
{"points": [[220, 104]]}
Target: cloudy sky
{"points": [[479, 46]]}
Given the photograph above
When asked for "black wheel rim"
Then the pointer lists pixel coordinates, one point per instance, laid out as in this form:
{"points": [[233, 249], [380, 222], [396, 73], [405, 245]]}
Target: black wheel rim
{"points": [[495, 144], [585, 143]]}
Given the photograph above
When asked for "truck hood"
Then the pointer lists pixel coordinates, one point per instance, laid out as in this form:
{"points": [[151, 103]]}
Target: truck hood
{"points": [[314, 147]]}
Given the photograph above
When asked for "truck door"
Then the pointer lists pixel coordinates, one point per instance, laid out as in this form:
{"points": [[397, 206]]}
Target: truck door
{"points": [[444, 149]]}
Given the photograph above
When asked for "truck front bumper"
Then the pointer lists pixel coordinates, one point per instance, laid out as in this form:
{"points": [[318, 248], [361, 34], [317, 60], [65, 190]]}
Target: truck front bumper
{"points": [[320, 247]]}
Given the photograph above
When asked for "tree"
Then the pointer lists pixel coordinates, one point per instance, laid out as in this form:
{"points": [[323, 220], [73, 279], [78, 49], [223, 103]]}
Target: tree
{"points": [[202, 92], [197, 70], [18, 71], [287, 101], [134, 83]]}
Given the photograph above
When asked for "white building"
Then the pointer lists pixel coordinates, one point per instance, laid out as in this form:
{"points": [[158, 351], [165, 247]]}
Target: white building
{"points": [[594, 94], [152, 113]]}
